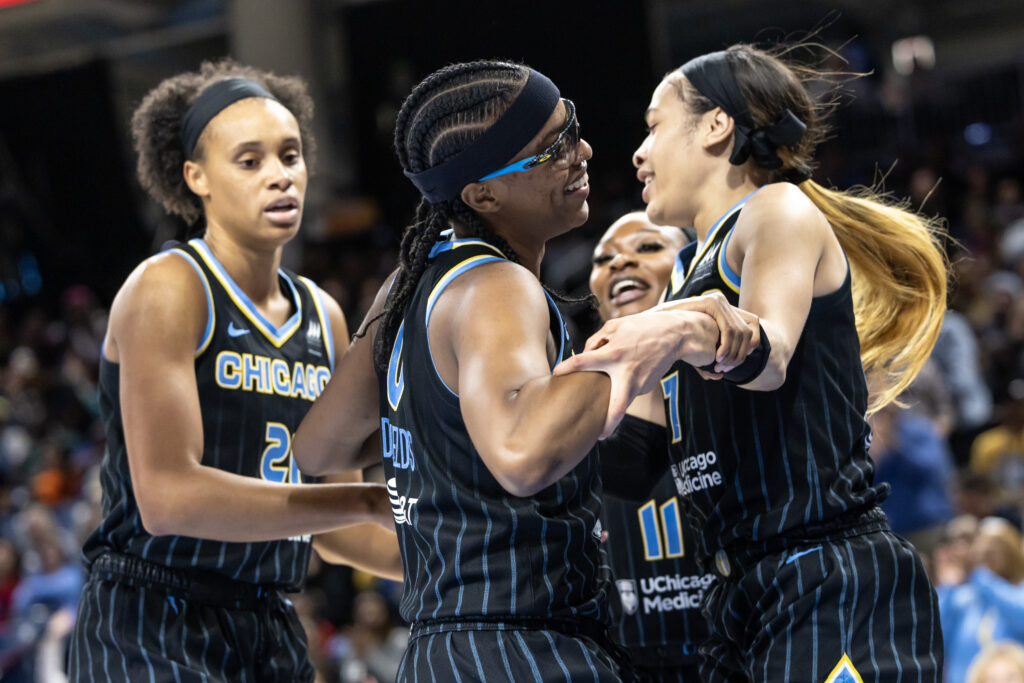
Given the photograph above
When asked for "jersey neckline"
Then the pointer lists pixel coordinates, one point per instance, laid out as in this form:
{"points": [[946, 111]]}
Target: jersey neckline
{"points": [[276, 335]]}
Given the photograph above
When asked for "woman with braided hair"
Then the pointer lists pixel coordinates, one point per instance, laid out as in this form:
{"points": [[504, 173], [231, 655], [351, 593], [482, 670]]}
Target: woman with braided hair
{"points": [[771, 457], [212, 356], [496, 499]]}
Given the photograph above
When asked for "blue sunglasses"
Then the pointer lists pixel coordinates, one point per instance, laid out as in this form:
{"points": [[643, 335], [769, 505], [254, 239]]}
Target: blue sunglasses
{"points": [[566, 142]]}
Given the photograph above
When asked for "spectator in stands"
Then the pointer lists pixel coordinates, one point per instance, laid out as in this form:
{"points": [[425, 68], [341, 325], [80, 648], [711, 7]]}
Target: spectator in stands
{"points": [[999, 663], [10, 576], [989, 605], [956, 356], [910, 453], [999, 452]]}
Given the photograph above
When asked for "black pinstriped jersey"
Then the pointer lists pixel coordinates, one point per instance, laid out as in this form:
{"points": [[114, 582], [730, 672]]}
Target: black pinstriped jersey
{"points": [[656, 609], [469, 548], [750, 465], [256, 382]]}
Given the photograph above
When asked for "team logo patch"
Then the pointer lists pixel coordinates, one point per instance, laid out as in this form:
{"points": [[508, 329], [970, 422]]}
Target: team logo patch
{"points": [[722, 563], [844, 672], [627, 595], [314, 337]]}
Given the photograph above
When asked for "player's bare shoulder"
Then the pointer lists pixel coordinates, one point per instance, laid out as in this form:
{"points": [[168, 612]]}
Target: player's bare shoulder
{"points": [[164, 293], [781, 207], [497, 285]]}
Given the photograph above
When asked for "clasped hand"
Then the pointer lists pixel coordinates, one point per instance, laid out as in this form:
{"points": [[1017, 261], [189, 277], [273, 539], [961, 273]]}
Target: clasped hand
{"points": [[636, 351]]}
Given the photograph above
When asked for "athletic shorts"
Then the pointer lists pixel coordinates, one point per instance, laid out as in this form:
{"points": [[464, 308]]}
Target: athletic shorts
{"points": [[143, 622]]}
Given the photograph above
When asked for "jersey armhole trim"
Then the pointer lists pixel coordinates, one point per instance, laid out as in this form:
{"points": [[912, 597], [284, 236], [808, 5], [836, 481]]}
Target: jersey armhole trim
{"points": [[325, 321], [435, 293], [730, 278], [207, 337], [680, 266], [562, 334]]}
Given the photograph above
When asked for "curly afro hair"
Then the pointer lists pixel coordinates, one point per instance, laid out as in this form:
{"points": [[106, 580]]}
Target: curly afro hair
{"points": [[156, 128]]}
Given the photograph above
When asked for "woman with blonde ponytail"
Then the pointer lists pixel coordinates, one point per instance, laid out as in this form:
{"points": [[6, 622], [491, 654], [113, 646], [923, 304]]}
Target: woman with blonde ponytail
{"points": [[844, 290]]}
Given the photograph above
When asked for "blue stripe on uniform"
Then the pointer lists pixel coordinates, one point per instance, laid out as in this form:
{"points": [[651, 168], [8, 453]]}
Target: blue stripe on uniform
{"points": [[429, 647], [500, 637], [892, 608], [451, 657], [554, 651], [211, 318], [458, 547], [529, 656], [142, 644], [113, 639], [476, 657]]}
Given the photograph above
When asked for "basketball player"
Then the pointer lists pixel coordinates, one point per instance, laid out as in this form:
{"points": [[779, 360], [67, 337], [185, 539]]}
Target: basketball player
{"points": [[770, 458], [212, 356], [655, 608], [496, 502]]}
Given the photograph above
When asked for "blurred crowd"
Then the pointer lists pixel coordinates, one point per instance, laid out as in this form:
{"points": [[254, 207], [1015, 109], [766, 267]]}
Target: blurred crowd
{"points": [[953, 453]]}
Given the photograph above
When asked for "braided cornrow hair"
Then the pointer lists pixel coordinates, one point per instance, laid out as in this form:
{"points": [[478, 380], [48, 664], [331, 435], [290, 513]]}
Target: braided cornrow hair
{"points": [[443, 115]]}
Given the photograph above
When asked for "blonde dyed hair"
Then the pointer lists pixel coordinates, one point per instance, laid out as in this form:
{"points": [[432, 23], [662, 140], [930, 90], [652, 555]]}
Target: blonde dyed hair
{"points": [[899, 275], [1010, 542], [898, 266]]}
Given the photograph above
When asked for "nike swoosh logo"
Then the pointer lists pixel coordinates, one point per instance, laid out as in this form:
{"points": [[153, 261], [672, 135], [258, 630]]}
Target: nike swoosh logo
{"points": [[236, 331]]}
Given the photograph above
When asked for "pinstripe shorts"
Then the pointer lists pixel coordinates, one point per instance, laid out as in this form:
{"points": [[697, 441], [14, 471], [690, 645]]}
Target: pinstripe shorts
{"points": [[143, 631], [517, 655], [858, 607]]}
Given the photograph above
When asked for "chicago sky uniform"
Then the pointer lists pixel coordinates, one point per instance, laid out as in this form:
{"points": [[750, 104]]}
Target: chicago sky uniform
{"points": [[656, 609], [498, 587], [210, 610], [780, 486]]}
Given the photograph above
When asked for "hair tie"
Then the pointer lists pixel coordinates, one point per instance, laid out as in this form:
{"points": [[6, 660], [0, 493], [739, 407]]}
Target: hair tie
{"points": [[796, 175], [712, 76]]}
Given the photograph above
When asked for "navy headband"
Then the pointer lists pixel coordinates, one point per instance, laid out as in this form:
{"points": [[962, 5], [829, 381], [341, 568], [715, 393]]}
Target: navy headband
{"points": [[211, 102], [712, 76], [517, 126]]}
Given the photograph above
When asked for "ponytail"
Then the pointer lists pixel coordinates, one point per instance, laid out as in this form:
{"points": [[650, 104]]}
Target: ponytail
{"points": [[898, 270]]}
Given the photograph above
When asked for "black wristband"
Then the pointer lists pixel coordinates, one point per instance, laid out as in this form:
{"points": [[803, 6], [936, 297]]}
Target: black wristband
{"points": [[754, 364]]}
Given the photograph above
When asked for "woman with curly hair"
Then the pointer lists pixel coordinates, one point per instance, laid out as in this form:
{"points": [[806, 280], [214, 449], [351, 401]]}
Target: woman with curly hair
{"points": [[212, 356]]}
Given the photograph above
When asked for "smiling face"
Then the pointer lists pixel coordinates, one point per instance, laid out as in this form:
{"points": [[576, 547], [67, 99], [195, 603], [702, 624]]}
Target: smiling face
{"points": [[250, 173], [671, 162], [551, 196], [632, 265]]}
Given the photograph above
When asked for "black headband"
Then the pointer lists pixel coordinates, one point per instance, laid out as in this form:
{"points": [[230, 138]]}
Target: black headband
{"points": [[517, 126], [712, 76], [211, 102]]}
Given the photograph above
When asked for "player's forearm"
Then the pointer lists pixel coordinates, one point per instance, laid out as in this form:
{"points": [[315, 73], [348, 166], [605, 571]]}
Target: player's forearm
{"points": [[553, 424], [368, 547], [774, 373], [206, 502], [332, 433], [325, 445]]}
